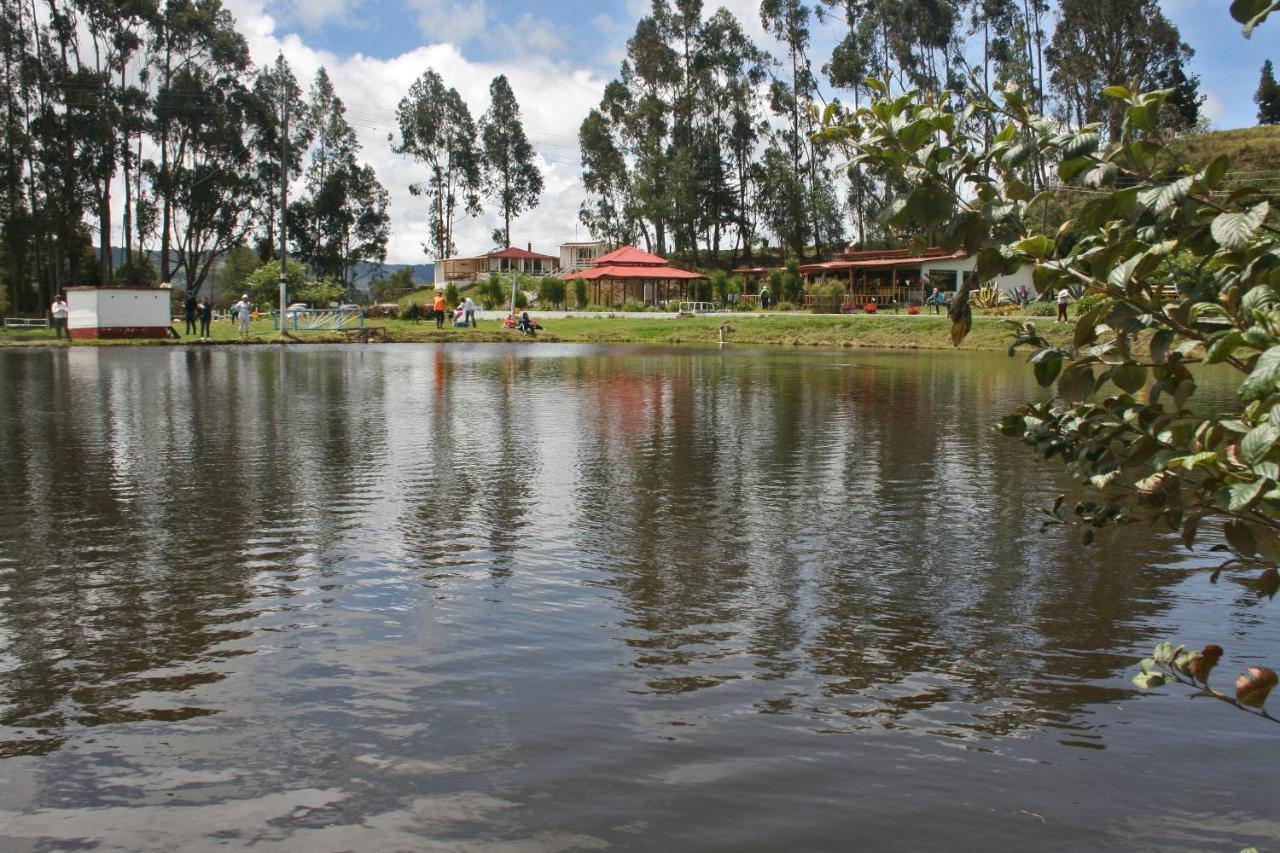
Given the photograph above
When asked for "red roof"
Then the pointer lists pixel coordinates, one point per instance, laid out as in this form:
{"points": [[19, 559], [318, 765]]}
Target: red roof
{"points": [[520, 254], [635, 271], [629, 256]]}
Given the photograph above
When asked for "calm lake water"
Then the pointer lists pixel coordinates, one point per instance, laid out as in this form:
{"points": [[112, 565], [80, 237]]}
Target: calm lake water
{"points": [[573, 598]]}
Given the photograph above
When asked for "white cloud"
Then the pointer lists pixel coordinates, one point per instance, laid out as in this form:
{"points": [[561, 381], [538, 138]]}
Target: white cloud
{"points": [[313, 14], [1213, 108], [553, 98], [458, 22]]}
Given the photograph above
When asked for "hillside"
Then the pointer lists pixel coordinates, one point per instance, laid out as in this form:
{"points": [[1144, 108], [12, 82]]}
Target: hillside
{"points": [[1254, 153]]}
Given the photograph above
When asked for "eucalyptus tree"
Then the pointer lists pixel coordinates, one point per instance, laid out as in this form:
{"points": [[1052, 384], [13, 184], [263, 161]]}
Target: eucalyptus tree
{"points": [[1101, 43], [276, 92], [607, 211], [511, 176], [342, 220], [437, 130]]}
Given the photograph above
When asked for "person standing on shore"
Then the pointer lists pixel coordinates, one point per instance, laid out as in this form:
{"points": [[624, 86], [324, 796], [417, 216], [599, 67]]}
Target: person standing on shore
{"points": [[469, 312], [244, 313], [60, 311], [206, 317], [414, 312], [189, 314], [935, 299], [438, 306], [1064, 296]]}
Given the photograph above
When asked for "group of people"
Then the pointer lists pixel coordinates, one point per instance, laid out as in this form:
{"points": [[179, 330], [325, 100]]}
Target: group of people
{"points": [[198, 309], [462, 316]]}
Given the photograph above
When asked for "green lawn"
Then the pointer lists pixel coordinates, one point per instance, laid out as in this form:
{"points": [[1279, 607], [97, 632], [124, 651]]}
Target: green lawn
{"points": [[890, 331]]}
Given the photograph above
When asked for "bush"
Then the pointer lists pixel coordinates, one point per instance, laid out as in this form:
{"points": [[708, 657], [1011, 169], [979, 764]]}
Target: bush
{"points": [[491, 292], [913, 310], [828, 298], [784, 306], [263, 284], [580, 293], [451, 295], [522, 301], [1085, 303], [792, 282], [632, 305], [551, 292], [870, 308], [137, 271]]}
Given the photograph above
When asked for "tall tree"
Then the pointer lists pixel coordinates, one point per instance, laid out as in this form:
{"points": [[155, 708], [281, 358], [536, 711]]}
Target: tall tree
{"points": [[343, 219], [510, 174], [275, 93], [436, 129], [1268, 96], [1101, 43]]}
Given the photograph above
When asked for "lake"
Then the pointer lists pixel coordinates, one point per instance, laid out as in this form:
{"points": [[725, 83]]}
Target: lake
{"points": [[548, 597]]}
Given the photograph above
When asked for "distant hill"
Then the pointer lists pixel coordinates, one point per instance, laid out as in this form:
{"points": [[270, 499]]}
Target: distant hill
{"points": [[366, 273], [1254, 153]]}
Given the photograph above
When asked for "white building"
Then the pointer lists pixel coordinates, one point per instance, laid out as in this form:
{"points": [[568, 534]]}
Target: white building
{"points": [[575, 257], [118, 312]]}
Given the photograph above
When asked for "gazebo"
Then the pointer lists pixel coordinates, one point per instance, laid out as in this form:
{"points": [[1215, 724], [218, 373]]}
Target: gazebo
{"points": [[630, 273]]}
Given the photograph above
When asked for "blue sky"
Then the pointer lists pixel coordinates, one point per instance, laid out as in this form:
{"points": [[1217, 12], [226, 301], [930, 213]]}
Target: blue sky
{"points": [[558, 56]]}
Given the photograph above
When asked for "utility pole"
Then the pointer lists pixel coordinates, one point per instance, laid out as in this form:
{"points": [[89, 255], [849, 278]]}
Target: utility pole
{"points": [[284, 204]]}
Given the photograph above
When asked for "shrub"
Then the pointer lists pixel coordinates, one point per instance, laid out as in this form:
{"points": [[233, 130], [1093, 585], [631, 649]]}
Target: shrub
{"points": [[522, 301], [632, 305], [784, 306], [913, 310], [551, 291], [1087, 302], [263, 284], [580, 293], [870, 308], [828, 298], [451, 295]]}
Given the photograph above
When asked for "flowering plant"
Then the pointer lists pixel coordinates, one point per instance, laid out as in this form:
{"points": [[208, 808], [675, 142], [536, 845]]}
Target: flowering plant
{"points": [[913, 309], [870, 308]]}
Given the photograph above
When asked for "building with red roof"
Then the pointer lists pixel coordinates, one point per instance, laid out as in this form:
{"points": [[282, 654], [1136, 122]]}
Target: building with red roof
{"points": [[468, 270], [628, 274]]}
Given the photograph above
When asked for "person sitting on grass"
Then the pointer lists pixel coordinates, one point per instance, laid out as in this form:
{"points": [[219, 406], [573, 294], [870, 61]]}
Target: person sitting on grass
{"points": [[526, 324]]}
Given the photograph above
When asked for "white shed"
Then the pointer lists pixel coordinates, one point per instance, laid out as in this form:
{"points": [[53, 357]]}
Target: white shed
{"points": [[118, 312]]}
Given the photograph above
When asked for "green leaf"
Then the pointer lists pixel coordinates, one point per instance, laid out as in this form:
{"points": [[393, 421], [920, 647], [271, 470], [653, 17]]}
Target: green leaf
{"points": [[1160, 342], [1038, 246], [1240, 538], [1076, 383], [1262, 379], [1147, 680], [1129, 377], [1258, 442], [1251, 13], [1101, 175], [1240, 495], [1234, 229], [1047, 368], [1118, 92], [1162, 197]]}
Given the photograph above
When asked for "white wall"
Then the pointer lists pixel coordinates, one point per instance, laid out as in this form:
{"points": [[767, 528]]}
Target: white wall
{"points": [[117, 307], [1007, 283]]}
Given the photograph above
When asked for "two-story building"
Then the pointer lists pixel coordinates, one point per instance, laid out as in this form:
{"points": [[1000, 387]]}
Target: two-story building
{"points": [[468, 270], [575, 257]]}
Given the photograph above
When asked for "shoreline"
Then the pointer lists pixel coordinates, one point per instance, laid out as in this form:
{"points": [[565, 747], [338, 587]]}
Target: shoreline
{"points": [[782, 331]]}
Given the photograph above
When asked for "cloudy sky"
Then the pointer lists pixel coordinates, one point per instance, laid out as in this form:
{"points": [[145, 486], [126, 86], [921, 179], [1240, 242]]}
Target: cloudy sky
{"points": [[558, 56]]}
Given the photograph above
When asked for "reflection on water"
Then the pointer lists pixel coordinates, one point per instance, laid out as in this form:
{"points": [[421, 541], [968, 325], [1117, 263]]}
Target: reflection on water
{"points": [[576, 597]]}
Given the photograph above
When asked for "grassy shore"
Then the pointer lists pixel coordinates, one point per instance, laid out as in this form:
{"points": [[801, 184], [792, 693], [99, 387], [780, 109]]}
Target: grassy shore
{"points": [[781, 330]]}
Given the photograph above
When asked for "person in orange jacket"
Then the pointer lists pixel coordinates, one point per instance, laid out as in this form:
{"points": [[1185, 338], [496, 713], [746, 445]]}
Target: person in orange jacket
{"points": [[438, 307]]}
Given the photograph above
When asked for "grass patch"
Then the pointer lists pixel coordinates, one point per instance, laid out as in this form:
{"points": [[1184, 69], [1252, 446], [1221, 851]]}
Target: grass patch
{"points": [[778, 330]]}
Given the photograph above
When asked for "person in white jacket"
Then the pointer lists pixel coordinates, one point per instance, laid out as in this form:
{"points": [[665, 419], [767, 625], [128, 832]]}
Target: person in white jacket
{"points": [[244, 313], [60, 311]]}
